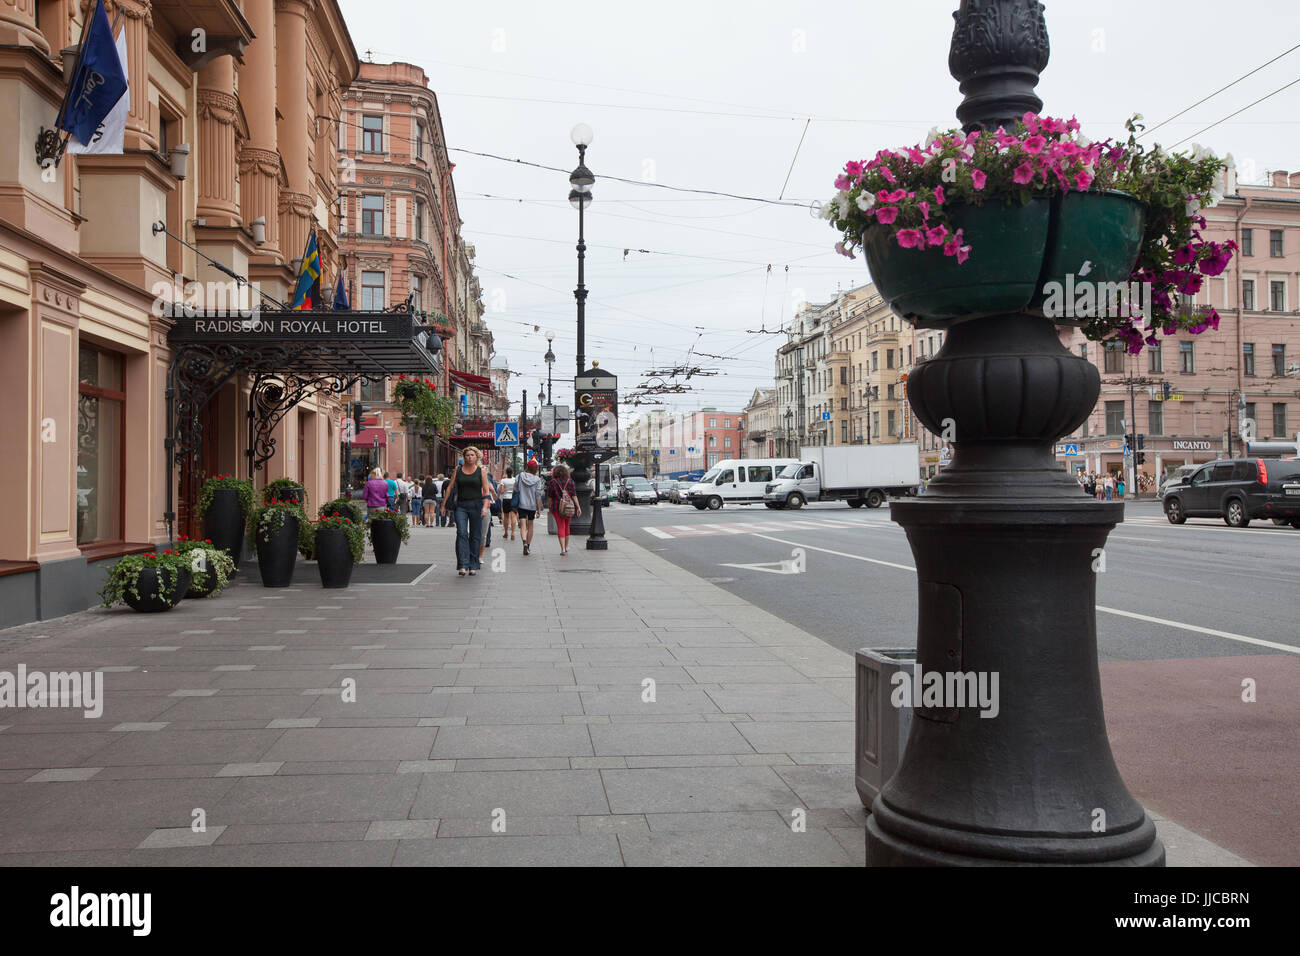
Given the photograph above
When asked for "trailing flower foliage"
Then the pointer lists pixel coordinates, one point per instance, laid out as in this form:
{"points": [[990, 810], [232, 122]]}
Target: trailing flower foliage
{"points": [[422, 408], [242, 487], [386, 514], [912, 191], [355, 531], [206, 562], [269, 519], [124, 576], [283, 489], [574, 457]]}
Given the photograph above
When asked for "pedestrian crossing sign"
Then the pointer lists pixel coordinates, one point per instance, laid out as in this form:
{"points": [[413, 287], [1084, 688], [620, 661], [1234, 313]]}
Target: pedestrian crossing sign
{"points": [[507, 435]]}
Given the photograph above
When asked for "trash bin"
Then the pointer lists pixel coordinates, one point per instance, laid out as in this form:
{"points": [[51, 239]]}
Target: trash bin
{"points": [[880, 728]]}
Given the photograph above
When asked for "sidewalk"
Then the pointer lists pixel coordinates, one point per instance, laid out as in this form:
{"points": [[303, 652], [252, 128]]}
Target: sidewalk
{"points": [[501, 719]]}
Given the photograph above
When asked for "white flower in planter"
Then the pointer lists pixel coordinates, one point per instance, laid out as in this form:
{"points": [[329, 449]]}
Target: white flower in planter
{"points": [[866, 200]]}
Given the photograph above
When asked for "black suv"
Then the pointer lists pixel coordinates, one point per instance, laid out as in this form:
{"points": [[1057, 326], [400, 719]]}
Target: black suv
{"points": [[1238, 489]]}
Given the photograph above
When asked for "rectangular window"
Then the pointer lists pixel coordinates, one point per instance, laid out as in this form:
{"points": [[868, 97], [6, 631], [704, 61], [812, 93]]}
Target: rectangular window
{"points": [[1275, 243], [1156, 418], [875, 361], [1156, 357], [1250, 411], [909, 355], [1114, 356], [101, 473], [1187, 357], [1248, 294], [760, 473], [889, 391], [844, 404], [372, 134], [1248, 242], [875, 424], [844, 375], [889, 358], [1277, 295], [1279, 359], [1279, 420], [419, 219], [713, 423], [1115, 418], [1248, 358], [844, 433], [419, 141], [892, 421], [726, 423], [372, 292], [372, 215], [726, 442], [374, 391], [417, 293]]}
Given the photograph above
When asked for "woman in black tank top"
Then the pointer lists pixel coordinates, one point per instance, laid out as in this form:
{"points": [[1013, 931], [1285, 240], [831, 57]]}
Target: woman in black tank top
{"points": [[472, 495]]}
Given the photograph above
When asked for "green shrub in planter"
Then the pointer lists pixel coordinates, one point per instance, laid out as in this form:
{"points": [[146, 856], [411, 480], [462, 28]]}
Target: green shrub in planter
{"points": [[355, 531], [210, 566], [397, 518], [345, 506], [285, 489], [269, 517], [388, 530], [156, 581]]}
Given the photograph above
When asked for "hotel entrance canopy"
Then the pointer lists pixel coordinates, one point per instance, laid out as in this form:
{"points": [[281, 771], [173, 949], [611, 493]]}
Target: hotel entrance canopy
{"points": [[288, 355]]}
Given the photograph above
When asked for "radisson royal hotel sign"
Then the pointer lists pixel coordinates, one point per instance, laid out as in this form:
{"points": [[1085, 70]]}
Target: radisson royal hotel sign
{"points": [[293, 326]]}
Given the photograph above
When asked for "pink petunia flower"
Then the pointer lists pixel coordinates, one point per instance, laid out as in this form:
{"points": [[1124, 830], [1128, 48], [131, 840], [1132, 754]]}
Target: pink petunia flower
{"points": [[1034, 145], [1083, 180], [938, 195], [936, 235], [886, 214], [884, 171], [963, 253], [910, 238], [842, 182], [1024, 173], [897, 195], [925, 209], [978, 178]]}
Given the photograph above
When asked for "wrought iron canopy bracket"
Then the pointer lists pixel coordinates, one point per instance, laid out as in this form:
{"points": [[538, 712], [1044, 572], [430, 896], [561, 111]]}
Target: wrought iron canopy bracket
{"points": [[273, 394]]}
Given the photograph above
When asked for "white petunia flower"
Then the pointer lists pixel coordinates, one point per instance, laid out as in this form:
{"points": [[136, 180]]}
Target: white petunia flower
{"points": [[866, 200]]}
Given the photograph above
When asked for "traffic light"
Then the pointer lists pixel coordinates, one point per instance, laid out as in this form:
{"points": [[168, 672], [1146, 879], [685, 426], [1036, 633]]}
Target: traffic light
{"points": [[1129, 442], [358, 412], [1139, 455], [1167, 389]]}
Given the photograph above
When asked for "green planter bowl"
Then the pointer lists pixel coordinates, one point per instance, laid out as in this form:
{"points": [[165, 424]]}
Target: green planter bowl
{"points": [[931, 290], [1103, 230], [1017, 251]]}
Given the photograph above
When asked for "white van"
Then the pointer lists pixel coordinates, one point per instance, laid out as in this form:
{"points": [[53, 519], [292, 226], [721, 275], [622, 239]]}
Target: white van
{"points": [[735, 481]]}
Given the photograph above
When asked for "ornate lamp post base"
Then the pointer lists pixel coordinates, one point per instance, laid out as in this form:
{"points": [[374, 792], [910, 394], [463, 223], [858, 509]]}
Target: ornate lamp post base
{"points": [[596, 541], [1008, 762]]}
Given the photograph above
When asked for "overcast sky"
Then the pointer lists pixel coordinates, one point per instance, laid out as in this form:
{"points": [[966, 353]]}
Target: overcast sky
{"points": [[716, 95]]}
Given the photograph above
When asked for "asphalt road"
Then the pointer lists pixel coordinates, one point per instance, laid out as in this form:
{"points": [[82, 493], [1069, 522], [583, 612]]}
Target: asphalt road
{"points": [[857, 587]]}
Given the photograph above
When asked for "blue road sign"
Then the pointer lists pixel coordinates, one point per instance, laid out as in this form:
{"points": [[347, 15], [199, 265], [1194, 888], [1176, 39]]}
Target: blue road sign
{"points": [[464, 405], [1071, 451], [672, 451], [826, 416], [656, 451], [507, 435]]}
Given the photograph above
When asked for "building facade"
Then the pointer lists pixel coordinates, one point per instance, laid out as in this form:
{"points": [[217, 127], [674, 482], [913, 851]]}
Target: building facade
{"points": [[761, 431], [1243, 377], [215, 139], [696, 441], [399, 232]]}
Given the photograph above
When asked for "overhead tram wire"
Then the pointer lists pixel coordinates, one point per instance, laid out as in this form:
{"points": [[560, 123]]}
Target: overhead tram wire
{"points": [[1203, 99], [1231, 115]]}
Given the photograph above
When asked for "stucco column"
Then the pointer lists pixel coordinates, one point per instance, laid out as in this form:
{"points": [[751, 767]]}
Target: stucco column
{"points": [[18, 25], [217, 165], [259, 161], [295, 204], [137, 21]]}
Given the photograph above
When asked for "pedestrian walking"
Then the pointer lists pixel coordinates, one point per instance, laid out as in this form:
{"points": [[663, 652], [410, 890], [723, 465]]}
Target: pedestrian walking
{"points": [[417, 502], [562, 500], [472, 494], [392, 489], [429, 494], [375, 493], [1110, 487], [1119, 487], [527, 497], [509, 520]]}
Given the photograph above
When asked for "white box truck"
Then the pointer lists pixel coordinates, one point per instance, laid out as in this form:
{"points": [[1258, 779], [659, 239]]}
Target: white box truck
{"points": [[858, 474]]}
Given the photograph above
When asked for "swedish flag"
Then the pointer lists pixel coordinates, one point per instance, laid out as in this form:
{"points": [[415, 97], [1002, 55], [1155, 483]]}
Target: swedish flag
{"points": [[307, 292]]}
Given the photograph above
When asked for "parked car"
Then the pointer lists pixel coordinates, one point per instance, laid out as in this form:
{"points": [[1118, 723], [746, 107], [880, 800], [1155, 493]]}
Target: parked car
{"points": [[677, 493], [1238, 490], [664, 487], [639, 491]]}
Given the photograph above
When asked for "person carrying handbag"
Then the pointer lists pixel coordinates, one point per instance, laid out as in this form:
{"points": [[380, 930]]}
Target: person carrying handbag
{"points": [[562, 499], [473, 494]]}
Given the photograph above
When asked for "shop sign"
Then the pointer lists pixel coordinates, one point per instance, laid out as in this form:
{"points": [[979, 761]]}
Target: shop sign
{"points": [[1189, 445]]}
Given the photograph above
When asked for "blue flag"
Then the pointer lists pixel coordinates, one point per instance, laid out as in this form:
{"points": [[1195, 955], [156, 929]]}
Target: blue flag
{"points": [[341, 303], [98, 80], [307, 293]]}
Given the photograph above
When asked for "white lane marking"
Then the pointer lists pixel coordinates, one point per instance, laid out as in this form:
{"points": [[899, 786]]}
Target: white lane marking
{"points": [[722, 528], [1290, 649], [842, 554], [771, 567], [1241, 638], [657, 533]]}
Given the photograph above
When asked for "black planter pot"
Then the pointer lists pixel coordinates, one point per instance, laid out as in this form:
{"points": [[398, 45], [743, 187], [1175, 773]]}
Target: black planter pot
{"points": [[202, 590], [386, 540], [277, 555], [153, 596], [333, 558], [223, 523]]}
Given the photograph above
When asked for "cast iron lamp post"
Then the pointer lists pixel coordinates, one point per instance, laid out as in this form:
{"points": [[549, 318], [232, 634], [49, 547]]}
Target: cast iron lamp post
{"points": [[581, 179], [1006, 555], [549, 358]]}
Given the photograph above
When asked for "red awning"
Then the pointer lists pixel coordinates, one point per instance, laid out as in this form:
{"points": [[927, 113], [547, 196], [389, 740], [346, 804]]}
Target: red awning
{"points": [[471, 383], [367, 436]]}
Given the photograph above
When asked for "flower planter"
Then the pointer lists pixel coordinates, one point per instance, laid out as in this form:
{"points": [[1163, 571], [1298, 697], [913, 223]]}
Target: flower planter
{"points": [[333, 558], [1023, 249], [386, 540], [201, 590], [277, 555], [223, 523], [294, 494], [155, 594], [932, 290]]}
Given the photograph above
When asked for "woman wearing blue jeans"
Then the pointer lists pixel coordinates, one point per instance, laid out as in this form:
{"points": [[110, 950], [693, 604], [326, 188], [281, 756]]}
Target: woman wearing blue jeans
{"points": [[473, 495]]}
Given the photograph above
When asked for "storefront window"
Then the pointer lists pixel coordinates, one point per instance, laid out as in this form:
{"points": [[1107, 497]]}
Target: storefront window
{"points": [[100, 424]]}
